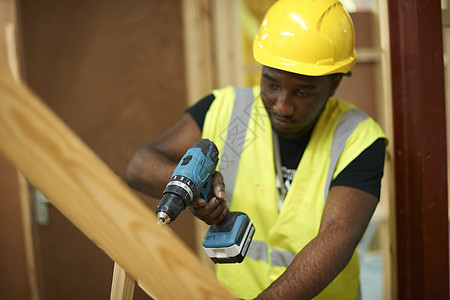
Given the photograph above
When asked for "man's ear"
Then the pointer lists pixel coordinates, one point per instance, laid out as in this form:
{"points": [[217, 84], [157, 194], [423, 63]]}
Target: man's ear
{"points": [[336, 81]]}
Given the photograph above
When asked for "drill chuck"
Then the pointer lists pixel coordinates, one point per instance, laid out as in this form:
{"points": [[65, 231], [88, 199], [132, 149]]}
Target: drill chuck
{"points": [[177, 196]]}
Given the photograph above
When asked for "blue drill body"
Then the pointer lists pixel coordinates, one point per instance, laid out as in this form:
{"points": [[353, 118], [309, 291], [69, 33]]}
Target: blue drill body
{"points": [[192, 178], [225, 242]]}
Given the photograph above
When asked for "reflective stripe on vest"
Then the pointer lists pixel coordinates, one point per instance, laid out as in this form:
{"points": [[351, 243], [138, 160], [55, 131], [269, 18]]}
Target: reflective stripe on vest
{"points": [[233, 147], [235, 139], [347, 124]]}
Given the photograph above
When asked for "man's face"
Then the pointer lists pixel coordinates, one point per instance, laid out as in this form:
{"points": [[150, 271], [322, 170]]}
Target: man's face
{"points": [[293, 101]]}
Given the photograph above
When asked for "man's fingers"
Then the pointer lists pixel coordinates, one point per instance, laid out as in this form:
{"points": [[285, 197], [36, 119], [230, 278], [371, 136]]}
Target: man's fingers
{"points": [[218, 210], [217, 176], [219, 185], [223, 202], [217, 219], [212, 212], [198, 202], [202, 209]]}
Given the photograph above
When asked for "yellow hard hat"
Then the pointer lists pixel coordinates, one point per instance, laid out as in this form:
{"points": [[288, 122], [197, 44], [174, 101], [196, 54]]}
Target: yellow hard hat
{"points": [[309, 37]]}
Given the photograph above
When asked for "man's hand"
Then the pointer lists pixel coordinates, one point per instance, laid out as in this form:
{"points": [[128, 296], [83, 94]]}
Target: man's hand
{"points": [[214, 211]]}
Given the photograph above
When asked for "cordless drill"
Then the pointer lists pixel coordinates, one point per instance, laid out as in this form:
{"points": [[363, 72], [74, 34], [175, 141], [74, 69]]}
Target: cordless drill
{"points": [[226, 241]]}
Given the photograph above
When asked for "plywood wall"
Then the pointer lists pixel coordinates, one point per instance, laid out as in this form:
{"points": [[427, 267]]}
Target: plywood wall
{"points": [[114, 72]]}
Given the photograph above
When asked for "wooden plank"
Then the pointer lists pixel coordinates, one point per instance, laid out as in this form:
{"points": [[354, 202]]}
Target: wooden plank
{"points": [[122, 284], [368, 55], [97, 201], [446, 41], [227, 47], [446, 17], [197, 48], [383, 100], [420, 149]]}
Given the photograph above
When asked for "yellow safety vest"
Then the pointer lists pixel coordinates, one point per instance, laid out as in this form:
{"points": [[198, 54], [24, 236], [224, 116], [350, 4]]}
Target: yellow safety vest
{"points": [[238, 124]]}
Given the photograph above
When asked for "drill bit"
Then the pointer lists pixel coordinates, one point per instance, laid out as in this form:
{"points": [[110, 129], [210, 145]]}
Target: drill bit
{"points": [[163, 218]]}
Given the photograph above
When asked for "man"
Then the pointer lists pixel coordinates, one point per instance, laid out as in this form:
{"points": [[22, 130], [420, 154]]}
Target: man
{"points": [[304, 166]]}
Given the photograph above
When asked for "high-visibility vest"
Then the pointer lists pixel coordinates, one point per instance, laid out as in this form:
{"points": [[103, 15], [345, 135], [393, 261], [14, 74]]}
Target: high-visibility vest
{"points": [[238, 124]]}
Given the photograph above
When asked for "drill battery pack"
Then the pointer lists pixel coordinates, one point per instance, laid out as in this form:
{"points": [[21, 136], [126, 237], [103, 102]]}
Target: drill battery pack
{"points": [[228, 241]]}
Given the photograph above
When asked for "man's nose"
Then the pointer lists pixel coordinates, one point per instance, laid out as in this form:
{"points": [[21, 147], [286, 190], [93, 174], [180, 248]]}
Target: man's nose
{"points": [[284, 105]]}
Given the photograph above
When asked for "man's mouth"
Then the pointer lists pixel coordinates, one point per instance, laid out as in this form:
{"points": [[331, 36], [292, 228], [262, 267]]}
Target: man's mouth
{"points": [[281, 121]]}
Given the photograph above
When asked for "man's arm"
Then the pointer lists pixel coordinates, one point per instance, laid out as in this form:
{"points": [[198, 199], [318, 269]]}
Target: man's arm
{"points": [[346, 216], [151, 167]]}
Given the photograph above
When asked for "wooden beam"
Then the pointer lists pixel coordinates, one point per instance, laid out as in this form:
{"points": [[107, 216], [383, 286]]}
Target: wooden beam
{"points": [[227, 47], [446, 17], [122, 284], [383, 103], [197, 48], [368, 55], [97, 201], [420, 149]]}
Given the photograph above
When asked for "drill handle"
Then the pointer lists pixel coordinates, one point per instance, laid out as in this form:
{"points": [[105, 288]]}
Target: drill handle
{"points": [[207, 191]]}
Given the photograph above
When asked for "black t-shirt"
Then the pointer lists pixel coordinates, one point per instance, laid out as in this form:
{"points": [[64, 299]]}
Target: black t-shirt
{"points": [[364, 172]]}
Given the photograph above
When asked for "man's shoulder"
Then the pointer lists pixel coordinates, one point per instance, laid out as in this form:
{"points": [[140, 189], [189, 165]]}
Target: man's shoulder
{"points": [[337, 104]]}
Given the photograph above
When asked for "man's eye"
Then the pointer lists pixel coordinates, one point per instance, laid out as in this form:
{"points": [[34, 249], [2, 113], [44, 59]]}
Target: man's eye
{"points": [[272, 86], [303, 94]]}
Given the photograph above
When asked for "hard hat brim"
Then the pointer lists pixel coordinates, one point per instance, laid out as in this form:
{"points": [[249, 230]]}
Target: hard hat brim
{"points": [[309, 69]]}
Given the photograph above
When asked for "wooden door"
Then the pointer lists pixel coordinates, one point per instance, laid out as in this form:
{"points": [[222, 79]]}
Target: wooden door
{"points": [[114, 72]]}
